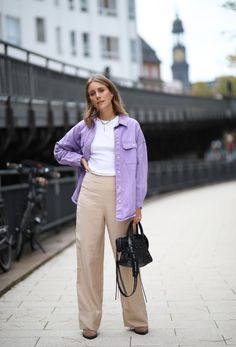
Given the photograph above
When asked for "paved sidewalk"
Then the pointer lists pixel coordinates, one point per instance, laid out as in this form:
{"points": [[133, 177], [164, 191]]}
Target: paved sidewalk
{"points": [[191, 285], [30, 261]]}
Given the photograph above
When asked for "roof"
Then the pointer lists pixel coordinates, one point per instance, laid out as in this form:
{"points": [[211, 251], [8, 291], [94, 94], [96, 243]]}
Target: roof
{"points": [[149, 55], [177, 26]]}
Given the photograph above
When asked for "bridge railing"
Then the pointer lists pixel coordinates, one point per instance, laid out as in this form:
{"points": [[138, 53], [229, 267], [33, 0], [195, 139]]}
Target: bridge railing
{"points": [[28, 75], [164, 176]]}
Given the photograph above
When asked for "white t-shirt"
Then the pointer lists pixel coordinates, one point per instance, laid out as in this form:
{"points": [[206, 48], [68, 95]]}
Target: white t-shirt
{"points": [[102, 159]]}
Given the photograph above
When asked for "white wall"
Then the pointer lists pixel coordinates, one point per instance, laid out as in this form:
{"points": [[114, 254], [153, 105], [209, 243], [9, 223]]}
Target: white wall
{"points": [[91, 22]]}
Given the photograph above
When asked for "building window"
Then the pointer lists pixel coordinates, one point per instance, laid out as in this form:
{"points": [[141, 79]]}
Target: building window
{"points": [[131, 4], [134, 50], [110, 47], [84, 5], [58, 40], [40, 30], [73, 42], [13, 30], [154, 72], [86, 44], [107, 7], [71, 4]]}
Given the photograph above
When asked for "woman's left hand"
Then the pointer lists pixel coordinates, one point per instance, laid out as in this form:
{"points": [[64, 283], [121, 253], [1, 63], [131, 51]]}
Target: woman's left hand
{"points": [[138, 216]]}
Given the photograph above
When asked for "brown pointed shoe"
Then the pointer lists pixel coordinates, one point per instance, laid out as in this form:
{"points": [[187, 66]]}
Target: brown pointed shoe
{"points": [[141, 330], [90, 334]]}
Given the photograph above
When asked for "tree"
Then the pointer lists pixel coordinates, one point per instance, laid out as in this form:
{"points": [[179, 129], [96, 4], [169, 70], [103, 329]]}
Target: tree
{"points": [[201, 89], [231, 5], [225, 85]]}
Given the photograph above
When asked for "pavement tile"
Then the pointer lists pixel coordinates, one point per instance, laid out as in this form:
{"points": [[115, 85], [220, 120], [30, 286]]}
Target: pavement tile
{"points": [[194, 324], [230, 337], [60, 342], [187, 306], [22, 325], [156, 337], [199, 336], [226, 324], [223, 315], [220, 294], [191, 315], [19, 342], [222, 306]]}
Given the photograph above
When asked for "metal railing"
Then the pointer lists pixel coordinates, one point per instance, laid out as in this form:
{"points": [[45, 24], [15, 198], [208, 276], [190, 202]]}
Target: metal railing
{"points": [[60, 209], [24, 73], [28, 75], [164, 176]]}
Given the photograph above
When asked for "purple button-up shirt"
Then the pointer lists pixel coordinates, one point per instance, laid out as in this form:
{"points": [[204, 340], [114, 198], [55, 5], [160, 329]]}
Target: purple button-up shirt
{"points": [[131, 163]]}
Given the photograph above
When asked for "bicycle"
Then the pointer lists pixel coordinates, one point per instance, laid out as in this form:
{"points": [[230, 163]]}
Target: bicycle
{"points": [[34, 215], [6, 239]]}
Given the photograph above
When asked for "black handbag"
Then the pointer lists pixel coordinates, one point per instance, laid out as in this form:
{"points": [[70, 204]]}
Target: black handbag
{"points": [[131, 251]]}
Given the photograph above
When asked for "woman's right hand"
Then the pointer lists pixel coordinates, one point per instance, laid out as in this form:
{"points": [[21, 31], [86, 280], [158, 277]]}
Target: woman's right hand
{"points": [[84, 163]]}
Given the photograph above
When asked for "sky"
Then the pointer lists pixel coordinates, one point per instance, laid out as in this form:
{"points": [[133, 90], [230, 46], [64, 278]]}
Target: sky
{"points": [[210, 35]]}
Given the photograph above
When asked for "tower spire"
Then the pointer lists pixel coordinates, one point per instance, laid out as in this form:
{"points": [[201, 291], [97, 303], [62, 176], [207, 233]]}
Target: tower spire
{"points": [[180, 65]]}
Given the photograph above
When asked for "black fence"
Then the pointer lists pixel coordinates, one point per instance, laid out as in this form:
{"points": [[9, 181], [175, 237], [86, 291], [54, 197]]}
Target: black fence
{"points": [[30, 76], [164, 176], [59, 206]]}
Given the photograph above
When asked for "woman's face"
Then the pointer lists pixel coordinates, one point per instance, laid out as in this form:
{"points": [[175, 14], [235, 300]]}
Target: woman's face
{"points": [[100, 96]]}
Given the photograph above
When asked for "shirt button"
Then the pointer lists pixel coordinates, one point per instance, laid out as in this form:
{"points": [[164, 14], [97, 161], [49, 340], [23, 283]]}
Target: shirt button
{"points": [[118, 171]]}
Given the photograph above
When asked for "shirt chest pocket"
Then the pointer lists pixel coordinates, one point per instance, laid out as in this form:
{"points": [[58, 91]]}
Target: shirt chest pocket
{"points": [[130, 152]]}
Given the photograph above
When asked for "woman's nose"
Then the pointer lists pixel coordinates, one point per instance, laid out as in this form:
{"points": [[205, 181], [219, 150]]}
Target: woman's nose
{"points": [[97, 94]]}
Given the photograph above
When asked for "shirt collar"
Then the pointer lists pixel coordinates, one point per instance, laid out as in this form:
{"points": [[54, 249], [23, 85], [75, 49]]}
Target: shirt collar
{"points": [[123, 120]]}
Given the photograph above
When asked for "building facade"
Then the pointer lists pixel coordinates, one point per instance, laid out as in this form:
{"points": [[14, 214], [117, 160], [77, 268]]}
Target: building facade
{"points": [[99, 35], [151, 68]]}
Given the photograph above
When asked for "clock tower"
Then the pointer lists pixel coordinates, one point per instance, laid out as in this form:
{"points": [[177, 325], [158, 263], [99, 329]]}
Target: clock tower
{"points": [[180, 65]]}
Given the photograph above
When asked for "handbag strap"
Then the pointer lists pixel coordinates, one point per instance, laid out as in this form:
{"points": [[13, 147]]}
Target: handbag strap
{"points": [[120, 281], [138, 227]]}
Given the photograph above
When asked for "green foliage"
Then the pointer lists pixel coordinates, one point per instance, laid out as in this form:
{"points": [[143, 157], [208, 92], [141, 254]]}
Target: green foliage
{"points": [[201, 89], [219, 87], [232, 60], [231, 5]]}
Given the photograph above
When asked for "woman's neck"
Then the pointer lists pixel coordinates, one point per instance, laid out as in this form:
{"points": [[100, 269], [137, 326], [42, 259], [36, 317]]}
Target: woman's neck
{"points": [[107, 115]]}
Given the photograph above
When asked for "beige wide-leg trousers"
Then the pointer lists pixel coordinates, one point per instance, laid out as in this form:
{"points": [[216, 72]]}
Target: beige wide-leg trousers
{"points": [[95, 209]]}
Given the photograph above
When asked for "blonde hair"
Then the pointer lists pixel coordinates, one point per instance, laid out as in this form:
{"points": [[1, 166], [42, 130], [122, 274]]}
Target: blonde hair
{"points": [[117, 103]]}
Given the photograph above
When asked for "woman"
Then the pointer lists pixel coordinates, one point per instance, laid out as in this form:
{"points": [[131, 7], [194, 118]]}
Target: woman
{"points": [[109, 150]]}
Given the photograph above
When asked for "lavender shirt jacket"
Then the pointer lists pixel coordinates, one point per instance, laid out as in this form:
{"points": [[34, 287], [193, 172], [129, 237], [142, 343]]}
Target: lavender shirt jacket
{"points": [[130, 161]]}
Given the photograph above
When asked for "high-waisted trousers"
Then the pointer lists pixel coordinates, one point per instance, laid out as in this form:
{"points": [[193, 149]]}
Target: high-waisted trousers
{"points": [[95, 210]]}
